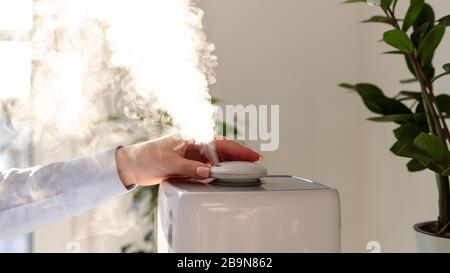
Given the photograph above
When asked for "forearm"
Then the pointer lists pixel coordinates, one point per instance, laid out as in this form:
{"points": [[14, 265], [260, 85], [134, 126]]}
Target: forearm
{"points": [[35, 197]]}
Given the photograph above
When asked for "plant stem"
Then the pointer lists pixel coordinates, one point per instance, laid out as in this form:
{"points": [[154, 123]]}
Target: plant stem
{"points": [[432, 117], [440, 125], [444, 199], [441, 116], [417, 70]]}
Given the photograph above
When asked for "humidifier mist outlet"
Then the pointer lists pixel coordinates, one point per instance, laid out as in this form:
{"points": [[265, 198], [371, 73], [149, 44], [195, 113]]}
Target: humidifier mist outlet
{"points": [[237, 172]]}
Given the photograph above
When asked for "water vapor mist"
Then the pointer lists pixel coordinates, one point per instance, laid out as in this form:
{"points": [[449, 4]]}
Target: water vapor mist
{"points": [[128, 57]]}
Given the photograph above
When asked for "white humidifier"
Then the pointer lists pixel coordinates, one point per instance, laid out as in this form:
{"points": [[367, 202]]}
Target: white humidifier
{"points": [[244, 210]]}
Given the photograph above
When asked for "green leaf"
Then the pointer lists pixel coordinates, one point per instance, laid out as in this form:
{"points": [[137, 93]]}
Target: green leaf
{"points": [[429, 71], [385, 4], [405, 81], [435, 167], [348, 86], [426, 16], [443, 102], [410, 66], [424, 23], [394, 107], [391, 118], [421, 120], [394, 52], [413, 12], [446, 67], [446, 158], [377, 102], [378, 19], [213, 100], [414, 165], [419, 108], [399, 40], [445, 21], [430, 144], [419, 33], [369, 90], [406, 148], [411, 94], [354, 1], [429, 44], [407, 131]]}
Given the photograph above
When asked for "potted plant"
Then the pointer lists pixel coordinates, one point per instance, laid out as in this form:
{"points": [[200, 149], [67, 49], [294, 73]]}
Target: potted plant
{"points": [[422, 134]]}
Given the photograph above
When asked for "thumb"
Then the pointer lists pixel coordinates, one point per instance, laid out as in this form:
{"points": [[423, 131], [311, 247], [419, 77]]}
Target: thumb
{"points": [[192, 168]]}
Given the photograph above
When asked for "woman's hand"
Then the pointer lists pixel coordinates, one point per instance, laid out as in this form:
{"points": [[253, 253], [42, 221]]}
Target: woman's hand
{"points": [[151, 162]]}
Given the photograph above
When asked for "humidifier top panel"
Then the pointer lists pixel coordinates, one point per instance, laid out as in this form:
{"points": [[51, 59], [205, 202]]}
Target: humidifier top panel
{"points": [[268, 183]]}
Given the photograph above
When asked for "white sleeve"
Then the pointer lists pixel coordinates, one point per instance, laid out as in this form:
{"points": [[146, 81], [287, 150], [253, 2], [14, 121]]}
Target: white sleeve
{"points": [[34, 197]]}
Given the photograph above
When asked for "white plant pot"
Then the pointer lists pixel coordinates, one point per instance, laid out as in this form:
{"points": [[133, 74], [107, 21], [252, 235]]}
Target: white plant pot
{"points": [[429, 243]]}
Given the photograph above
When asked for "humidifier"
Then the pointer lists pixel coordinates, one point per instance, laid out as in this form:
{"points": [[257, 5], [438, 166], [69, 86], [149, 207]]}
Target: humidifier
{"points": [[245, 210]]}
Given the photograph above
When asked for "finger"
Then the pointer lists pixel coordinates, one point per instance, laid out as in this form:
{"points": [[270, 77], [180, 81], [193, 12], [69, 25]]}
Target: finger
{"points": [[234, 151], [191, 168], [194, 152], [225, 158]]}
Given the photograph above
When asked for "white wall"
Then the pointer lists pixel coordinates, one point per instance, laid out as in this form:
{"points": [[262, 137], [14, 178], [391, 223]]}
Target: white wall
{"points": [[295, 53]]}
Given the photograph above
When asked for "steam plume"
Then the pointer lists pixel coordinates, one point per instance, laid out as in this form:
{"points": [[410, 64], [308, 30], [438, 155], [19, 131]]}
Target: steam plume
{"points": [[127, 58]]}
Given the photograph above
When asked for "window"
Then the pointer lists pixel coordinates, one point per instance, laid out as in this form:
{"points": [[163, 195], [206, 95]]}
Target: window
{"points": [[15, 73]]}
